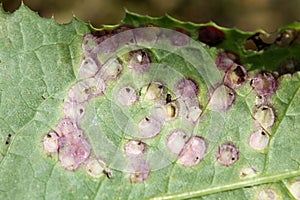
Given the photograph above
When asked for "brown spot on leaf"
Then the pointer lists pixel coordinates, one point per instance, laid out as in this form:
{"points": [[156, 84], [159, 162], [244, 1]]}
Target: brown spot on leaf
{"points": [[211, 36], [8, 139]]}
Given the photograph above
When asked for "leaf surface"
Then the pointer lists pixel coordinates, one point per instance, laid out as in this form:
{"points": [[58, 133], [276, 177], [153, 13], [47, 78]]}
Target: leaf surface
{"points": [[39, 63]]}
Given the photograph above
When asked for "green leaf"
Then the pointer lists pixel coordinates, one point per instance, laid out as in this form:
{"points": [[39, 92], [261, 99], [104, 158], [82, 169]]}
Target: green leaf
{"points": [[40, 62]]}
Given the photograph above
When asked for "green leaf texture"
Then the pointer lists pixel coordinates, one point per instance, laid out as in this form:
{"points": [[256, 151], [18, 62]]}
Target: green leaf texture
{"points": [[39, 62]]}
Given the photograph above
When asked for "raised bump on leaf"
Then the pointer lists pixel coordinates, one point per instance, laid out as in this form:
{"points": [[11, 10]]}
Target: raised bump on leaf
{"points": [[225, 60], [264, 83], [127, 96], [90, 44], [176, 141], [192, 110], [86, 89], [259, 140], [154, 90], [67, 126], [141, 170], [222, 99], [261, 100], [193, 152], [166, 112], [194, 113], [247, 172], [111, 70], [139, 61], [74, 110], [227, 154], [268, 194], [186, 88], [236, 76], [265, 116], [93, 168], [50, 142], [135, 147], [88, 68], [149, 127], [73, 151], [170, 111]]}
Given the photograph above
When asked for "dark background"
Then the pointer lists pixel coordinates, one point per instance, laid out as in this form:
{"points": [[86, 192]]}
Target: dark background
{"points": [[248, 15]]}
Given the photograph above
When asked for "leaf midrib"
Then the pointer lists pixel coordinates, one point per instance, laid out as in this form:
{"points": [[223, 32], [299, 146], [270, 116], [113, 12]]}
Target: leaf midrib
{"points": [[230, 186]]}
